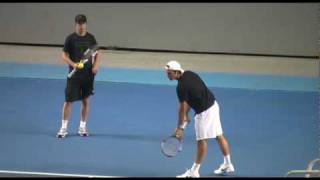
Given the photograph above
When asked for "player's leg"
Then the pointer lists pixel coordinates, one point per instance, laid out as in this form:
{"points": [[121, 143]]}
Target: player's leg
{"points": [[200, 155], [66, 110], [86, 91], [65, 119], [84, 110], [223, 144], [201, 151], [201, 128], [72, 93], [226, 166]]}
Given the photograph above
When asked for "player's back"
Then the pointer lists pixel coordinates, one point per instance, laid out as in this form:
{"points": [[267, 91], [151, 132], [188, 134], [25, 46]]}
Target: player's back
{"points": [[199, 97]]}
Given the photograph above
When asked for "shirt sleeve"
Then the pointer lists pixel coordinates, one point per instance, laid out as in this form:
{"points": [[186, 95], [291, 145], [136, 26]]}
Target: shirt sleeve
{"points": [[94, 41], [182, 93], [67, 45]]}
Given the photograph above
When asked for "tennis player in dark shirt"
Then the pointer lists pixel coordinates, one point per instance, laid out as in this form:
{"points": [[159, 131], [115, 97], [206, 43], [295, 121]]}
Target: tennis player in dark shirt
{"points": [[81, 85], [193, 93]]}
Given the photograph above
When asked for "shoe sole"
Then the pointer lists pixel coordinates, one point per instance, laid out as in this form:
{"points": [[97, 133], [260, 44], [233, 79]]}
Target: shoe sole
{"points": [[224, 172], [188, 177], [83, 135], [61, 136]]}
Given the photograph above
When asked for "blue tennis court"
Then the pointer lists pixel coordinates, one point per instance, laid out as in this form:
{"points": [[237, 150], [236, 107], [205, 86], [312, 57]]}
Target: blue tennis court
{"points": [[271, 123]]}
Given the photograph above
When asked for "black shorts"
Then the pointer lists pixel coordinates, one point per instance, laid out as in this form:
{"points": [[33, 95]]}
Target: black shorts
{"points": [[79, 89]]}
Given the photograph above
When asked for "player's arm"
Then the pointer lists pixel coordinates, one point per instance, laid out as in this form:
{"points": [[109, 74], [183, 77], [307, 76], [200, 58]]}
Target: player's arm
{"points": [[183, 119], [96, 62], [183, 115], [67, 60]]}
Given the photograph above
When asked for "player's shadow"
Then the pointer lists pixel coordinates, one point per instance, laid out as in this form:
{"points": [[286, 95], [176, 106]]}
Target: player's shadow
{"points": [[97, 135], [69, 135], [130, 137], [211, 175]]}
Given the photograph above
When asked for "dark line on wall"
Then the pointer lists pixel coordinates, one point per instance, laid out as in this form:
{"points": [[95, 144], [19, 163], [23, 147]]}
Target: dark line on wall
{"points": [[219, 53], [163, 50], [30, 44]]}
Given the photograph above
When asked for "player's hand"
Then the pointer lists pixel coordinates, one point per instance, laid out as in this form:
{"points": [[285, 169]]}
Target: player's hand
{"points": [[75, 65], [94, 70], [178, 133], [80, 65]]}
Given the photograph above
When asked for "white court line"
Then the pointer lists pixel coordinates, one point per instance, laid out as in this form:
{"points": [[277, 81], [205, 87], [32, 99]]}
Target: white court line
{"points": [[57, 174]]}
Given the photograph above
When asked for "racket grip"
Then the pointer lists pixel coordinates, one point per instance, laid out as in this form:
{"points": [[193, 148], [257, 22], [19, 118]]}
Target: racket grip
{"points": [[71, 73]]}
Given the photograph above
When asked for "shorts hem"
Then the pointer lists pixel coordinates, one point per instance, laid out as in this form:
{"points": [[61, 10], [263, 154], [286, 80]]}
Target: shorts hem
{"points": [[211, 137], [79, 99]]}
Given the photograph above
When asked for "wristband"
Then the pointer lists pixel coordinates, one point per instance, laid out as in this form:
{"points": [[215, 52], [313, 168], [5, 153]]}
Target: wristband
{"points": [[183, 125]]}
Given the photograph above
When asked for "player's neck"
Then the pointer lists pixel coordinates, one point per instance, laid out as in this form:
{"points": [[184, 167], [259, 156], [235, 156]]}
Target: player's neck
{"points": [[179, 76], [81, 33]]}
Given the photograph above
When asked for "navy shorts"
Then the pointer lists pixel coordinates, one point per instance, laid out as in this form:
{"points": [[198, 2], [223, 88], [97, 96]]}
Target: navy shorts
{"points": [[79, 88]]}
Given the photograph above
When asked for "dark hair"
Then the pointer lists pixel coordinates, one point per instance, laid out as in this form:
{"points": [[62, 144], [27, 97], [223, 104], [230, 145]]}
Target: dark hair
{"points": [[80, 19]]}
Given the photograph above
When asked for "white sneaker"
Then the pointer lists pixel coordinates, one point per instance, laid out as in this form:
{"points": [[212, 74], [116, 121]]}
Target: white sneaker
{"points": [[62, 133], [83, 131], [189, 174], [224, 168]]}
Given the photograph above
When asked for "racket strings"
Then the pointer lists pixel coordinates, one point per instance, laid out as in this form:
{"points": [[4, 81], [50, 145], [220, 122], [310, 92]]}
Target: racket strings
{"points": [[171, 147]]}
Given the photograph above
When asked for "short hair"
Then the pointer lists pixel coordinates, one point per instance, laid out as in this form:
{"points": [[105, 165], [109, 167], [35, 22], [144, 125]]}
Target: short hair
{"points": [[80, 19]]}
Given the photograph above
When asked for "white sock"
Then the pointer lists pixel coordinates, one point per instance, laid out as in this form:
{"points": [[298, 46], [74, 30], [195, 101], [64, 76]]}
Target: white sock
{"points": [[195, 167], [227, 159], [64, 124], [82, 124]]}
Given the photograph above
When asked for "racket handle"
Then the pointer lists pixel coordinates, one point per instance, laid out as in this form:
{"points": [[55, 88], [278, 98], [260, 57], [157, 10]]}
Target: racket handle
{"points": [[75, 69], [72, 72]]}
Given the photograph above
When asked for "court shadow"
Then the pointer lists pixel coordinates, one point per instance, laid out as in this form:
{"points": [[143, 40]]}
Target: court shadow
{"points": [[211, 175], [69, 135], [133, 137]]}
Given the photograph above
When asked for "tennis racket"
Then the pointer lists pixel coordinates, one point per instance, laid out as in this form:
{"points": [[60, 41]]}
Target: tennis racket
{"points": [[86, 56], [171, 146]]}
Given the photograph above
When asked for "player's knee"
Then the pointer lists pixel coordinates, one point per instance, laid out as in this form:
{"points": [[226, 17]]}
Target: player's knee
{"points": [[220, 138], [202, 142], [85, 102], [68, 104]]}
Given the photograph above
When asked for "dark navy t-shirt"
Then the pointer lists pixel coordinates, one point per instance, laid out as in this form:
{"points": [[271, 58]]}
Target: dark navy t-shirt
{"points": [[193, 90], [75, 46]]}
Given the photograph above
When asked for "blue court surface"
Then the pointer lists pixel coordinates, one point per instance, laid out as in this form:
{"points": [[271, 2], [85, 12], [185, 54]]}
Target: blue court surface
{"points": [[271, 123]]}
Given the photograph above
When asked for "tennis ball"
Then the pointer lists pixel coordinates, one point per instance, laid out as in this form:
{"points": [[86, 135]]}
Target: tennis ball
{"points": [[80, 65]]}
